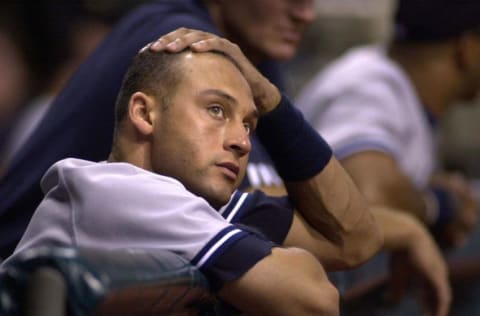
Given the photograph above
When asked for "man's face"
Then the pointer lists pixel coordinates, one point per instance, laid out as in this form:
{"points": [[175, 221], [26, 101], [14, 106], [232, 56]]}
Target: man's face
{"points": [[267, 28], [202, 138]]}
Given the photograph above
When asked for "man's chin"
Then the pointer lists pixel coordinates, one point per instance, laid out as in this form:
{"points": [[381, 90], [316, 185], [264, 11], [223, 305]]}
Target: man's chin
{"points": [[218, 196], [218, 203], [284, 51]]}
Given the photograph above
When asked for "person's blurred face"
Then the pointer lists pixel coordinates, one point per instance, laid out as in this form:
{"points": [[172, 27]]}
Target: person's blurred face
{"points": [[202, 137], [471, 70], [14, 83], [266, 28]]}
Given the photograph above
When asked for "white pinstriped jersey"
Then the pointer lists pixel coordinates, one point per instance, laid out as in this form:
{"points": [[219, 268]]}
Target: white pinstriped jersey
{"points": [[118, 205], [364, 101]]}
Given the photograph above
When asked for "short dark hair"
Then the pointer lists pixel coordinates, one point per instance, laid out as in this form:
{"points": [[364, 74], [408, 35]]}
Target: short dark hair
{"points": [[435, 20], [155, 73]]}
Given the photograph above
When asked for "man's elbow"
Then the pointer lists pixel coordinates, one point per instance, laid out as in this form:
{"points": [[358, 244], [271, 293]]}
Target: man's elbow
{"points": [[362, 245]]}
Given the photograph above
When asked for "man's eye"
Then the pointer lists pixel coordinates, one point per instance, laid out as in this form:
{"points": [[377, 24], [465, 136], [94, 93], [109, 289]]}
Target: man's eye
{"points": [[216, 111], [248, 128]]}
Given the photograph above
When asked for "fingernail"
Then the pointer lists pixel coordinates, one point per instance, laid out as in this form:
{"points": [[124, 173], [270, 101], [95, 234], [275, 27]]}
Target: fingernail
{"points": [[172, 45], [199, 44], [157, 45], [145, 47]]}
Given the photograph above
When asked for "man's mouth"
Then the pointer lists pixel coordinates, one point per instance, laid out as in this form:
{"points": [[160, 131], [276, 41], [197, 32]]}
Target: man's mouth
{"points": [[230, 169]]}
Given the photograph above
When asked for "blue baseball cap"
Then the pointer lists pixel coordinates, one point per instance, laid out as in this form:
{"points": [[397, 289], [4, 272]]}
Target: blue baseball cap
{"points": [[435, 20]]}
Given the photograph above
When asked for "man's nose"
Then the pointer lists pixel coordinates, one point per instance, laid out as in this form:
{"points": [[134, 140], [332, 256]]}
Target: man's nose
{"points": [[303, 10], [238, 140]]}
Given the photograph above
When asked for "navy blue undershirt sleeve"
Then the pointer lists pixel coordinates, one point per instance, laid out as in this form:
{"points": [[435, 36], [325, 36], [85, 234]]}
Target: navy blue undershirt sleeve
{"points": [[266, 215], [295, 147], [236, 260]]}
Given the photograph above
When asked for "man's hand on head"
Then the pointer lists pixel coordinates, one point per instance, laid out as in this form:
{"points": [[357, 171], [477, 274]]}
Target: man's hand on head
{"points": [[265, 94]]}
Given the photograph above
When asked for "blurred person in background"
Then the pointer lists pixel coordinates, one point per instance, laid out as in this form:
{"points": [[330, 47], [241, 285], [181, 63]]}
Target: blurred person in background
{"points": [[53, 45], [15, 76], [379, 108]]}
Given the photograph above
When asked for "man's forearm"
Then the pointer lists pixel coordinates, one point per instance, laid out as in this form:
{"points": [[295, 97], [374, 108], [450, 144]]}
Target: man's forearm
{"points": [[332, 204], [321, 189]]}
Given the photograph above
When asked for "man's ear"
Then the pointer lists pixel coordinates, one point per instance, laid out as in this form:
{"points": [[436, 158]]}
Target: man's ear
{"points": [[141, 112], [468, 51]]}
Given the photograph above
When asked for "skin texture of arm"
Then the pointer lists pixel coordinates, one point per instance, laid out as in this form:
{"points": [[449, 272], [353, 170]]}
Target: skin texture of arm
{"points": [[329, 201], [331, 204], [381, 180], [272, 287]]}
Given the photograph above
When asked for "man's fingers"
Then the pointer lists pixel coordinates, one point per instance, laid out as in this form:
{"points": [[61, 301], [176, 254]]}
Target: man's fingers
{"points": [[198, 41], [145, 47], [265, 94], [162, 42], [180, 39], [438, 292], [443, 296], [437, 299]]}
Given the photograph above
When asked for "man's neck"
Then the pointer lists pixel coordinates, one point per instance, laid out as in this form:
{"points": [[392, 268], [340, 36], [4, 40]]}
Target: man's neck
{"points": [[126, 148]]}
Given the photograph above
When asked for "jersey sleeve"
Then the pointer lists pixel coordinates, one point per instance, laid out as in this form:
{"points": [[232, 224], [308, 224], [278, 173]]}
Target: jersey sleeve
{"points": [[267, 215], [358, 120]]}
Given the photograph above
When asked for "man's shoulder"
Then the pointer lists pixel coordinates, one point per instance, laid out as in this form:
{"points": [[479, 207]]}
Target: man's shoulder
{"points": [[363, 77], [361, 66], [81, 173]]}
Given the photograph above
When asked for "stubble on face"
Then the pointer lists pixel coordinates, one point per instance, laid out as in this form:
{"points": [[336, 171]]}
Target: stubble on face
{"points": [[190, 145]]}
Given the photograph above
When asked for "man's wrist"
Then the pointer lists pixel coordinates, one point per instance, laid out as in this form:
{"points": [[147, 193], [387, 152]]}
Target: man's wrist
{"points": [[440, 207], [296, 149], [268, 102]]}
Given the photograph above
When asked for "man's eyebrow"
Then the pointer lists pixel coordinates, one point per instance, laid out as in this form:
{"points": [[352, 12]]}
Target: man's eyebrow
{"points": [[221, 94]]}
